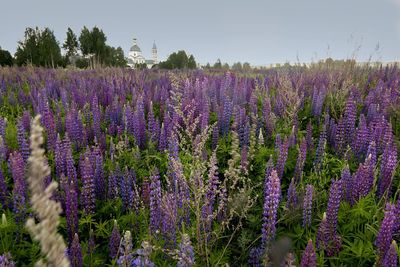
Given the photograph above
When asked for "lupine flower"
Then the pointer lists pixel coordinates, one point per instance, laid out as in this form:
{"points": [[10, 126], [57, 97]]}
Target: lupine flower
{"points": [[271, 203], [112, 192], [335, 196], [6, 261], [307, 206], [185, 254], [22, 143], [300, 160], [391, 256], [292, 198], [388, 166], [283, 154], [169, 213], [59, 157], [155, 203], [340, 138], [126, 258], [309, 258], [99, 178], [75, 252], [347, 183], [319, 154], [372, 151], [115, 239], [3, 150], [396, 227], [363, 180], [71, 209], [143, 258], [3, 191], [385, 234], [88, 189], [362, 137], [350, 116], [47, 211], [126, 189], [17, 167], [209, 200]]}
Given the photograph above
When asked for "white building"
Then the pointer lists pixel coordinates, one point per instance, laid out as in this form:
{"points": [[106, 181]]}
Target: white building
{"points": [[135, 56]]}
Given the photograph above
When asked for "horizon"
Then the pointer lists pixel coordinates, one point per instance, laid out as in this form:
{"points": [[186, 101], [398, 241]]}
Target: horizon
{"points": [[232, 32]]}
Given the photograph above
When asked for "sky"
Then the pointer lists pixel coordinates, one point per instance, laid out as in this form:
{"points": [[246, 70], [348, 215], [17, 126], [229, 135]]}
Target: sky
{"points": [[260, 32]]}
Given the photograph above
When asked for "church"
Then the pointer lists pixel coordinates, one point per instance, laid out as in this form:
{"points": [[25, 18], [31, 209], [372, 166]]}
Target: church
{"points": [[135, 56]]}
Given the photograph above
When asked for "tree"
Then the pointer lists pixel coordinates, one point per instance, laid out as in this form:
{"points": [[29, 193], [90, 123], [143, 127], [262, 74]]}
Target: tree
{"points": [[179, 60], [5, 58], [218, 64], [39, 48], [93, 45], [115, 57], [237, 66], [71, 43]]}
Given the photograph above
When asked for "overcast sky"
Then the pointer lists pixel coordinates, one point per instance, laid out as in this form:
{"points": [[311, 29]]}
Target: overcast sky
{"points": [[257, 31]]}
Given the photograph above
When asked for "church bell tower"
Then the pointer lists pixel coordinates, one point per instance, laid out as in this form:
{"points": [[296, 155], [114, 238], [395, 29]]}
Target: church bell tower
{"points": [[154, 53]]}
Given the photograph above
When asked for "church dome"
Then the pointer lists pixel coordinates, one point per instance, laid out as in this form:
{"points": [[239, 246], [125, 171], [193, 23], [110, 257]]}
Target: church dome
{"points": [[135, 48]]}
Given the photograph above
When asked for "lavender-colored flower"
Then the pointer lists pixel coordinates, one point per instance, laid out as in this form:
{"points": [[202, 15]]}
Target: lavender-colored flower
{"points": [[396, 227], [271, 204], [362, 137], [335, 196], [372, 151], [155, 203], [209, 200], [88, 189], [292, 199], [388, 166], [350, 116], [283, 154], [301, 159], [143, 258], [307, 206], [319, 154], [126, 188], [115, 239], [75, 252], [22, 141], [385, 234], [309, 258], [347, 183], [59, 157], [71, 209], [391, 256], [4, 197], [363, 180], [112, 192], [126, 258], [169, 213], [17, 167], [6, 261], [99, 178], [215, 137], [254, 257], [340, 138], [185, 254]]}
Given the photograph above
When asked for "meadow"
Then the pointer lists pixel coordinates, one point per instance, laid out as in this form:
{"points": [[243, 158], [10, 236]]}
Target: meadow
{"points": [[290, 166]]}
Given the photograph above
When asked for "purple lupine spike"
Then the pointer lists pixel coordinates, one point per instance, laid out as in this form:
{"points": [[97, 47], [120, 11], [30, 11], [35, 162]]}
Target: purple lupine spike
{"points": [[96, 113], [222, 205], [283, 154], [26, 120], [71, 209], [323, 233], [362, 137], [309, 137], [215, 137], [301, 159], [254, 257], [169, 214], [88, 188], [162, 140], [155, 203], [126, 257], [151, 125], [307, 206], [112, 192], [385, 234], [140, 124], [309, 258], [69, 161], [278, 142], [114, 242], [186, 253], [271, 204], [6, 261], [347, 183], [49, 124], [396, 227], [99, 178], [267, 117], [335, 197], [4, 197], [319, 154], [391, 256], [388, 167], [19, 193], [59, 157], [22, 141], [3, 125], [363, 180], [126, 189], [268, 170], [243, 159], [209, 200], [292, 199], [75, 252], [350, 116], [372, 151], [3, 150], [143, 258], [340, 138]]}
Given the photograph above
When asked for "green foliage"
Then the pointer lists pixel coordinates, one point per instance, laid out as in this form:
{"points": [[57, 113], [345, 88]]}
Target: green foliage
{"points": [[179, 60], [5, 58]]}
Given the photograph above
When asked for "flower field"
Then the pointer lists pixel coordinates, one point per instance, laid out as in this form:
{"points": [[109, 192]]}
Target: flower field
{"points": [[280, 167]]}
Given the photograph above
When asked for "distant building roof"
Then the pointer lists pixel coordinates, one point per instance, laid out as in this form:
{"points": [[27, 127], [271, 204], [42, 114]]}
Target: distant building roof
{"points": [[149, 61], [135, 48], [154, 45]]}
